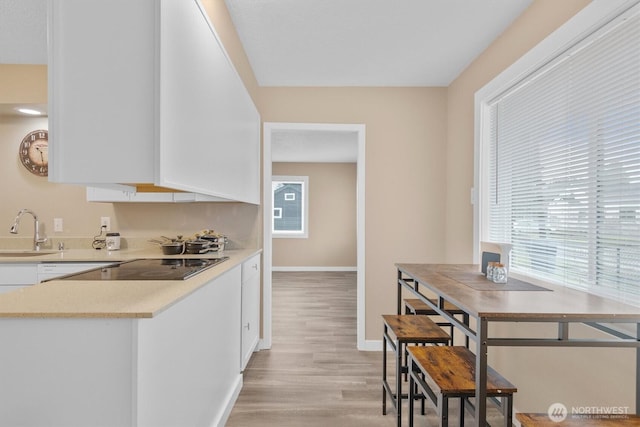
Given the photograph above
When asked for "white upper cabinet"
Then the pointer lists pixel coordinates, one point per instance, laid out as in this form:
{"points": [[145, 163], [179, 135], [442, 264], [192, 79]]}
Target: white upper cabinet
{"points": [[144, 92]]}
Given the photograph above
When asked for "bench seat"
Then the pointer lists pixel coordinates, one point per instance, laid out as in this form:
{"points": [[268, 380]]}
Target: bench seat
{"points": [[449, 372]]}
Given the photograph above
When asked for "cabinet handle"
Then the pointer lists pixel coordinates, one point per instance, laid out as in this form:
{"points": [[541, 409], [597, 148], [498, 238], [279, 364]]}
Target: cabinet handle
{"points": [[255, 266], [248, 326]]}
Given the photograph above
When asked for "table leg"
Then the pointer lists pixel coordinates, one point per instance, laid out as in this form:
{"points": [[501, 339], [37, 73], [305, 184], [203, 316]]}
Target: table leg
{"points": [[384, 370], [465, 320], [399, 301], [481, 372], [638, 371]]}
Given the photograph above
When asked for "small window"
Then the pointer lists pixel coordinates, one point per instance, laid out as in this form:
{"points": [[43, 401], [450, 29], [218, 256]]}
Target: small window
{"points": [[290, 206]]}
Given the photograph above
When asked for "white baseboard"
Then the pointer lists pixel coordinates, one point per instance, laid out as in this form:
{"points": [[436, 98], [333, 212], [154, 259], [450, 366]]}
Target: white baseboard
{"points": [[230, 402], [371, 345], [311, 268]]}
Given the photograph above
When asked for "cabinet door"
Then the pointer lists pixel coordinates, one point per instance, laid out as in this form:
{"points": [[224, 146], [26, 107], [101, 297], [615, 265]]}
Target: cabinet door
{"points": [[102, 91], [250, 308], [95, 194], [188, 358], [209, 126]]}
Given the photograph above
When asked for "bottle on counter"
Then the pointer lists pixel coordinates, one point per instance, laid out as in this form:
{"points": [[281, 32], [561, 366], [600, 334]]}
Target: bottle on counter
{"points": [[499, 273], [490, 269]]}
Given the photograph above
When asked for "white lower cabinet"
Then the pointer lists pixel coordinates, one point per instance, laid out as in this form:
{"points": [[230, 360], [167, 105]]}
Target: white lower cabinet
{"points": [[187, 359], [179, 368], [250, 308], [17, 275]]}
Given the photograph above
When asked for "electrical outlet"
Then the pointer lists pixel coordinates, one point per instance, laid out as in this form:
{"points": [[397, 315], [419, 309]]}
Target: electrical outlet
{"points": [[105, 221], [57, 225]]}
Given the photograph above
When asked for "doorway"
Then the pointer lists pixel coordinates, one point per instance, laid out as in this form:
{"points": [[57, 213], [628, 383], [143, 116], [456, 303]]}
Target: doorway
{"points": [[357, 133]]}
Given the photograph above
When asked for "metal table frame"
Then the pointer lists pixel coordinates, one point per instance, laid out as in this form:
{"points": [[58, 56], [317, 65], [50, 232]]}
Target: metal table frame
{"points": [[482, 341]]}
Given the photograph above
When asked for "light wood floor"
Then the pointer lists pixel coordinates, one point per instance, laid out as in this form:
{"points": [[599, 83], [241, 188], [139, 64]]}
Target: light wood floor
{"points": [[314, 376]]}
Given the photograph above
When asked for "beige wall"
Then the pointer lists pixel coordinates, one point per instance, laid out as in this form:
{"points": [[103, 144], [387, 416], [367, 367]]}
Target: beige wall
{"points": [[23, 84], [221, 20], [332, 217], [574, 377], [404, 162]]}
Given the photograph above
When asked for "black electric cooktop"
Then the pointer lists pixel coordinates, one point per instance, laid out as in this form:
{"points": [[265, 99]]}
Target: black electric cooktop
{"points": [[148, 269]]}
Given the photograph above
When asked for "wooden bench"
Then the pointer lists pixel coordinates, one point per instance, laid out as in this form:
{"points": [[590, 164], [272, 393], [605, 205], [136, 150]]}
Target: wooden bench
{"points": [[543, 420], [417, 306], [399, 331], [445, 372]]}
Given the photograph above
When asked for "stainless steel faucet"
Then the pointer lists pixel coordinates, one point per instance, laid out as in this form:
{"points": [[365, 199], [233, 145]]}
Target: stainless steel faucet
{"points": [[37, 240]]}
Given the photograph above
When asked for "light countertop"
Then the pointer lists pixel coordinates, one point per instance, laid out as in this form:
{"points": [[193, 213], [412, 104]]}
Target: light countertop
{"points": [[108, 299]]}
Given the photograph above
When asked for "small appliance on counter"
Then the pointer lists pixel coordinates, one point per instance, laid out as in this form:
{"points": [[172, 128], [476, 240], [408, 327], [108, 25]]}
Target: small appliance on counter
{"points": [[148, 269], [113, 241]]}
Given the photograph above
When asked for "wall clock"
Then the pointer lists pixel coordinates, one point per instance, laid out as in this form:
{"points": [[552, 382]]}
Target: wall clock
{"points": [[34, 152]]}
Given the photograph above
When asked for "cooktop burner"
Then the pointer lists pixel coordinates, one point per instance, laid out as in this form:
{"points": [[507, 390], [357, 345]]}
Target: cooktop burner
{"points": [[148, 269]]}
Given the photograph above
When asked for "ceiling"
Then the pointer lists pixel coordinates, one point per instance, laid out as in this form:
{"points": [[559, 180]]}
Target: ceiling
{"points": [[367, 42], [323, 43]]}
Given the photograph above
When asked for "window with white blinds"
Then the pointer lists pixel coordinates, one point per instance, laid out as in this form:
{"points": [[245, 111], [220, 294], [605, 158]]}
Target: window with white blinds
{"points": [[564, 166]]}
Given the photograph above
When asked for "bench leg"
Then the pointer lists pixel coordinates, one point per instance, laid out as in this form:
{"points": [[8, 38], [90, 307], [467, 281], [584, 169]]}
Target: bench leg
{"points": [[412, 390], [443, 410], [463, 401], [399, 352], [507, 403], [422, 409]]}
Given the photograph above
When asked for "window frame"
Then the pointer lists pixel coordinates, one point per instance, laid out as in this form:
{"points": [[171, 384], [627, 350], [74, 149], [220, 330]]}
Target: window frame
{"points": [[582, 26], [292, 234]]}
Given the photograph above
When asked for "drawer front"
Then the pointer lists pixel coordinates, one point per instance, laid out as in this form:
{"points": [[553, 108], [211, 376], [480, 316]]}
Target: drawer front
{"points": [[18, 274], [52, 270]]}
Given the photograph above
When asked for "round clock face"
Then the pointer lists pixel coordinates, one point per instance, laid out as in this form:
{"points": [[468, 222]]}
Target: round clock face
{"points": [[34, 152]]}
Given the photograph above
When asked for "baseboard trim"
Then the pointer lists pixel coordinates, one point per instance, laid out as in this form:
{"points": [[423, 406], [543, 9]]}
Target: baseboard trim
{"points": [[230, 402], [371, 345], [311, 268]]}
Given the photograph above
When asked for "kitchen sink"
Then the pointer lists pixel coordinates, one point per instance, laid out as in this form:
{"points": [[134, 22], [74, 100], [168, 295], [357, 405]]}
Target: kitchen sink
{"points": [[24, 252]]}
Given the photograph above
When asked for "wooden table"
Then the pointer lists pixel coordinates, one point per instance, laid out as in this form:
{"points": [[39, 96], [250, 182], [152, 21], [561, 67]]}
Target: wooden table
{"points": [[464, 286]]}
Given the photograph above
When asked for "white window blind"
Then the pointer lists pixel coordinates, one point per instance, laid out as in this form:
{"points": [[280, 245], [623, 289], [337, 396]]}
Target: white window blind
{"points": [[564, 166]]}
